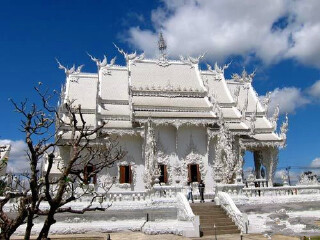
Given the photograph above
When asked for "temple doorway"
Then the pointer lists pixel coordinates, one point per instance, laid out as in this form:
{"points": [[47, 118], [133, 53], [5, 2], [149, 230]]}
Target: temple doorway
{"points": [[164, 173], [194, 173]]}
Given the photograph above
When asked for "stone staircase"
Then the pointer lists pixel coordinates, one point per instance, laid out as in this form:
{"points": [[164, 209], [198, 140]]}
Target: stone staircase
{"points": [[211, 214]]}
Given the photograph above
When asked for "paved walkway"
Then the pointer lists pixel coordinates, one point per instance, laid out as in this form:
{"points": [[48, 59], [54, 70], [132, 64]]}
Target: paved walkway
{"points": [[141, 236]]}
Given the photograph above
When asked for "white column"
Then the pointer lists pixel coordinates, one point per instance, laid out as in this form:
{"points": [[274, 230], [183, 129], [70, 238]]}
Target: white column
{"points": [[270, 161]]}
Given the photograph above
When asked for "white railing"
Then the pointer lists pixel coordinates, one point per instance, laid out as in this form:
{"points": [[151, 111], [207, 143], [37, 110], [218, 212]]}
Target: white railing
{"points": [[126, 196], [281, 191], [231, 189], [240, 219], [159, 191], [185, 212]]}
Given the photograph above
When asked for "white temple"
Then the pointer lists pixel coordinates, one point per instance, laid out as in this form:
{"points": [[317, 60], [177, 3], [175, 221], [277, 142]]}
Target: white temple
{"points": [[4, 157], [173, 117]]}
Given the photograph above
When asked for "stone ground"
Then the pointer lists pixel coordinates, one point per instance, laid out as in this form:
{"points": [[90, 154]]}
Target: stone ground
{"points": [[141, 236]]}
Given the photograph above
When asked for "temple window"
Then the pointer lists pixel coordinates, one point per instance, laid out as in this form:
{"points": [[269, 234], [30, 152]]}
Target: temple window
{"points": [[194, 173], [89, 177], [125, 174], [164, 173]]}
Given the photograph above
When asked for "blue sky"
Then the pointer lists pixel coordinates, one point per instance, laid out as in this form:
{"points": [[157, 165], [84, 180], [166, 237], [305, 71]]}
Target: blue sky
{"points": [[281, 40]]}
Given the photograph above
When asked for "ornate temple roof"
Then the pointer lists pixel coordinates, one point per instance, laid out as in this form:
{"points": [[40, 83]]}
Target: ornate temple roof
{"points": [[170, 91], [4, 157]]}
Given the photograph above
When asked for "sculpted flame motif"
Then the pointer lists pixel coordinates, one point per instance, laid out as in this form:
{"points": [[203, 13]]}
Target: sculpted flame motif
{"points": [[217, 69], [244, 77], [274, 118], [191, 61], [129, 56], [72, 70], [104, 62], [225, 161], [284, 130]]}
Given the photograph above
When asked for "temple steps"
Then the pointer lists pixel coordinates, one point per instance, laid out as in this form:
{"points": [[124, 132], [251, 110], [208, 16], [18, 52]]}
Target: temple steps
{"points": [[210, 215]]}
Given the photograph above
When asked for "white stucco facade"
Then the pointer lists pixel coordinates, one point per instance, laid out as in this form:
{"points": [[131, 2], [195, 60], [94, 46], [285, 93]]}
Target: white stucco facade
{"points": [[172, 113]]}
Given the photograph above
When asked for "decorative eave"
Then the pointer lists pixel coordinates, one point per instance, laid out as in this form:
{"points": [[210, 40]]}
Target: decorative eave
{"points": [[178, 122], [170, 109], [257, 114], [227, 105], [113, 102], [63, 110], [153, 92], [113, 117], [124, 131], [254, 144], [212, 132]]}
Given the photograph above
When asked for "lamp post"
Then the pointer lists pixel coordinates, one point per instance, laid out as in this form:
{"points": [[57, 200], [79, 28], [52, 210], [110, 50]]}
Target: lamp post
{"points": [[288, 171]]}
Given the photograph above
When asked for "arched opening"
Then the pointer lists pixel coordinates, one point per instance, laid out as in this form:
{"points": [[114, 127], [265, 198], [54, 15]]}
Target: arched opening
{"points": [[248, 166]]}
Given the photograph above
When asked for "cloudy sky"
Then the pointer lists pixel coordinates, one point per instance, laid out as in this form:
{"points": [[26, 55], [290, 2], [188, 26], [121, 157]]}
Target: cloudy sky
{"points": [[278, 38]]}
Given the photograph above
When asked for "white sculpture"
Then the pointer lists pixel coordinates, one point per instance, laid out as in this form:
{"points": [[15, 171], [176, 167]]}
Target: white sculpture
{"points": [[244, 77], [130, 56], [104, 62], [72, 70], [275, 117], [191, 60]]}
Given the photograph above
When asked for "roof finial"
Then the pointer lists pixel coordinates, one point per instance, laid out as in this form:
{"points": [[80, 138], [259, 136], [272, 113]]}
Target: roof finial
{"points": [[162, 44]]}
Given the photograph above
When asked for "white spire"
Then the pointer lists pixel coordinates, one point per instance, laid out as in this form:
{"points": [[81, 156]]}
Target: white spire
{"points": [[162, 44]]}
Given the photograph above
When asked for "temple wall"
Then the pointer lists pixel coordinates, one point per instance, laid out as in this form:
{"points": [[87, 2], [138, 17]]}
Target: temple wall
{"points": [[133, 146], [192, 148], [176, 148], [211, 160]]}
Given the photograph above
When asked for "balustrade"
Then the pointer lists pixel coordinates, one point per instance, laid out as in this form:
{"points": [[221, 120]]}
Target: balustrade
{"points": [[281, 191]]}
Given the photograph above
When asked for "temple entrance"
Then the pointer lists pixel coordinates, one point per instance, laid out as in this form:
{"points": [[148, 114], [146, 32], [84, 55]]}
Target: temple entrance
{"points": [[164, 176], [194, 173]]}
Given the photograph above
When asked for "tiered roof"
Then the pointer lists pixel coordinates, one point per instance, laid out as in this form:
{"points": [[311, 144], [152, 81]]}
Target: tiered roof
{"points": [[170, 92]]}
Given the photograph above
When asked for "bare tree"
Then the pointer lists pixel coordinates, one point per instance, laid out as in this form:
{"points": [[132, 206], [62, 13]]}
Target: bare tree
{"points": [[47, 128]]}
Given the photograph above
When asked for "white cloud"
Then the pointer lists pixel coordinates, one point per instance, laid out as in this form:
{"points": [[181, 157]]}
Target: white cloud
{"points": [[18, 160], [315, 163], [294, 176], [278, 175], [314, 90], [288, 99], [270, 30]]}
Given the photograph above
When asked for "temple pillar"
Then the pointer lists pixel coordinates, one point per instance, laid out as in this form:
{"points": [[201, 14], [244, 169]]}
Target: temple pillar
{"points": [[270, 161], [149, 153], [257, 163]]}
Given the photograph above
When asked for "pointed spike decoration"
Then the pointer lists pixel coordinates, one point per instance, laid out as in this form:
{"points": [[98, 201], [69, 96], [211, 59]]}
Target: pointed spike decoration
{"points": [[284, 129], [162, 45], [67, 71]]}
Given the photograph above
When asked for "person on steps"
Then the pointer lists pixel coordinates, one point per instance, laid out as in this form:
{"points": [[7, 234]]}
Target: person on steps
{"points": [[201, 187], [190, 196]]}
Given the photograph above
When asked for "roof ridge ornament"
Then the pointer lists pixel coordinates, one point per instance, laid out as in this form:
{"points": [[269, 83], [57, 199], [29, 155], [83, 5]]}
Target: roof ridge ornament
{"points": [[217, 69], [104, 62], [191, 60], [274, 118], [72, 70], [162, 46], [244, 77], [265, 101], [284, 129], [130, 56]]}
